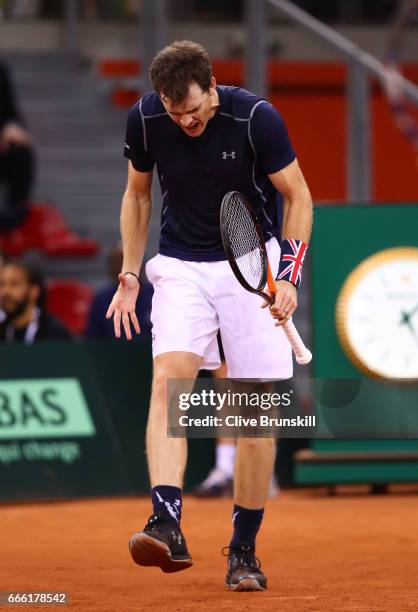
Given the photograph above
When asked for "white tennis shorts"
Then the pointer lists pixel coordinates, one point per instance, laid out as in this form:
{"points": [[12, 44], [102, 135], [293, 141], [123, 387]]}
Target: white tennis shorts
{"points": [[193, 300]]}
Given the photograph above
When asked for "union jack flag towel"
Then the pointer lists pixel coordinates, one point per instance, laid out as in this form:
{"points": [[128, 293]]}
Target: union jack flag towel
{"points": [[291, 261]]}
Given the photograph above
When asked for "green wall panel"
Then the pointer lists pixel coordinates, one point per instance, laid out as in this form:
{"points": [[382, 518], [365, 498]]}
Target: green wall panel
{"points": [[73, 418], [344, 235]]}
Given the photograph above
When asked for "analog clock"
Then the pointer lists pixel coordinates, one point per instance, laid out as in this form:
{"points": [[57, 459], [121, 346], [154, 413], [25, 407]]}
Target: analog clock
{"points": [[377, 314]]}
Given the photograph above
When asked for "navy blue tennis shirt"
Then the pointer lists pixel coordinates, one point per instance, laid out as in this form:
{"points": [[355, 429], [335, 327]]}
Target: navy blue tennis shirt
{"points": [[244, 142]]}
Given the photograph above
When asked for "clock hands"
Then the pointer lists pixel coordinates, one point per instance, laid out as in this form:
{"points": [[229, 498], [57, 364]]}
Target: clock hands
{"points": [[413, 311], [406, 320]]}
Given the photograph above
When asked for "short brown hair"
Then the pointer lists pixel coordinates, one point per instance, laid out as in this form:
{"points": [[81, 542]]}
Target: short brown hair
{"points": [[179, 65]]}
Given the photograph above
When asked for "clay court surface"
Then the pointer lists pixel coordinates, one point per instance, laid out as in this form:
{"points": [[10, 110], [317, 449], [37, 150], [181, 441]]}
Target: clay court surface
{"points": [[351, 552]]}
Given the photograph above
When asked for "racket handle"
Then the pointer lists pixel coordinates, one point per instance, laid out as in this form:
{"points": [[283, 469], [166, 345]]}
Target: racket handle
{"points": [[303, 355]]}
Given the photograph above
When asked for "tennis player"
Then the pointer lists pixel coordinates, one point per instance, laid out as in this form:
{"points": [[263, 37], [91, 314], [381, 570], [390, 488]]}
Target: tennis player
{"points": [[204, 140]]}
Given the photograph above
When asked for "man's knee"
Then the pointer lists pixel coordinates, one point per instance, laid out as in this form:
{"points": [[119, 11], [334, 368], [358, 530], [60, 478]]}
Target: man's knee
{"points": [[176, 365], [172, 367]]}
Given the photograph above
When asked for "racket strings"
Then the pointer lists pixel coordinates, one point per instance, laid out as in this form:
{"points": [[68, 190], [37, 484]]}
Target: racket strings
{"points": [[245, 242]]}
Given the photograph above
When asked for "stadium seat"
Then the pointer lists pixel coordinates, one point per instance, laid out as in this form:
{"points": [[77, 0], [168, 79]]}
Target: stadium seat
{"points": [[69, 301], [45, 229], [125, 97], [113, 68], [70, 245]]}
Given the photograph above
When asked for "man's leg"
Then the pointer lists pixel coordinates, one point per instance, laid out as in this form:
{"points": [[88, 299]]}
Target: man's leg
{"points": [[254, 350], [167, 456], [162, 543], [253, 470]]}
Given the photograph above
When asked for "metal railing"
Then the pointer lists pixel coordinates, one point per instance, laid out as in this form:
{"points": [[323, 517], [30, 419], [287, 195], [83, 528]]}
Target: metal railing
{"points": [[360, 66]]}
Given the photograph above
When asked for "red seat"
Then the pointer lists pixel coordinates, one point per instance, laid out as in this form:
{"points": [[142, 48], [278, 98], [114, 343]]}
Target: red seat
{"points": [[125, 97], [69, 301], [70, 245], [119, 67], [46, 229]]}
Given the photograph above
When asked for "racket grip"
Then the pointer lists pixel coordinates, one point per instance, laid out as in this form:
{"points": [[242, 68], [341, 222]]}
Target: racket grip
{"points": [[303, 355]]}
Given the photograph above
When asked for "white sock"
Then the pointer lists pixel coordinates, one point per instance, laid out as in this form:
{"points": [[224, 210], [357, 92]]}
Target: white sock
{"points": [[225, 458]]}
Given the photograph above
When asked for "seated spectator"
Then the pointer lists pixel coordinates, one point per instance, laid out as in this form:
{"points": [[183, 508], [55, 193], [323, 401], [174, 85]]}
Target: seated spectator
{"points": [[22, 297], [16, 157], [100, 327]]}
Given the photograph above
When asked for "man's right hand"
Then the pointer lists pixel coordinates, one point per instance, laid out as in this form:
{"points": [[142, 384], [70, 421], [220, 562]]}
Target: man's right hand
{"points": [[122, 307]]}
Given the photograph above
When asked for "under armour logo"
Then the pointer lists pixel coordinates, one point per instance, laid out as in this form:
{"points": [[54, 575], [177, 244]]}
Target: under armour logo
{"points": [[232, 155], [176, 537]]}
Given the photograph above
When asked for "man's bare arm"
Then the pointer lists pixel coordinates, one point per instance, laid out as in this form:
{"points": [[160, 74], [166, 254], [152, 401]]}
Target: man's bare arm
{"points": [[297, 207], [135, 217], [134, 223], [297, 224]]}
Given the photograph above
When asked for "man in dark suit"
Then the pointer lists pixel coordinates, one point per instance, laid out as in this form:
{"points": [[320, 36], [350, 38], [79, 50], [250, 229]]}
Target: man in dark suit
{"points": [[16, 157], [22, 297]]}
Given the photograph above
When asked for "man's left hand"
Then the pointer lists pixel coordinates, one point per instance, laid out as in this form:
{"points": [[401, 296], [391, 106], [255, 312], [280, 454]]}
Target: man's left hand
{"points": [[285, 303]]}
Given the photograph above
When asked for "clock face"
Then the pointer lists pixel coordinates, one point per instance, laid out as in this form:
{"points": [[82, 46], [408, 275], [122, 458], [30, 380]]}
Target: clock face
{"points": [[377, 314]]}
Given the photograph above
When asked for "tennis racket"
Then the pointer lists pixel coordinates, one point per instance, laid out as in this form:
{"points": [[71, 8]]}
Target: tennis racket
{"points": [[245, 249]]}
